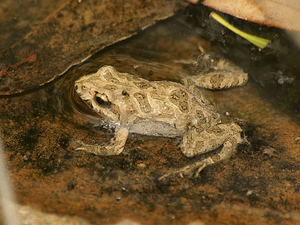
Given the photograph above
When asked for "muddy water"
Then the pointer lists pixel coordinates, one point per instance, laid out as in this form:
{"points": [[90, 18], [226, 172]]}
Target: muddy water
{"points": [[259, 185]]}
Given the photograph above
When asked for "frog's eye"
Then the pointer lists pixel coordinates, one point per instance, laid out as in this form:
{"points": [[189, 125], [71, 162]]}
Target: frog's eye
{"points": [[101, 98]]}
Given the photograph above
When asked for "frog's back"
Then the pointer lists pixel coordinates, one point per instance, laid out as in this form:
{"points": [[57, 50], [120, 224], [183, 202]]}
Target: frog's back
{"points": [[160, 97], [165, 99]]}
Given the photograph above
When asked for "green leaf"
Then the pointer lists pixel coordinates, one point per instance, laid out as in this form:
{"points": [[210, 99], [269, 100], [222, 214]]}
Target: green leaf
{"points": [[259, 42]]}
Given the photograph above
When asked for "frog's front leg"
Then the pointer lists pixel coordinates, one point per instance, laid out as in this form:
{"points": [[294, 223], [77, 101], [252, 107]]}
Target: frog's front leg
{"points": [[115, 148], [195, 143]]}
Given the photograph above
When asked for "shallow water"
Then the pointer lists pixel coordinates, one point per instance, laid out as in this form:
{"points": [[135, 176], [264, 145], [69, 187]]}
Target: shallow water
{"points": [[262, 179]]}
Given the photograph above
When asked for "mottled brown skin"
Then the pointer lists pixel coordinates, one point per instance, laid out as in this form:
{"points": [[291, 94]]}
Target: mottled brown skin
{"points": [[158, 108]]}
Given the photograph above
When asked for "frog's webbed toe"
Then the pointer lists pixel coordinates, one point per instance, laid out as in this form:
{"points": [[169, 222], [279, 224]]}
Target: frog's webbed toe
{"points": [[103, 150]]}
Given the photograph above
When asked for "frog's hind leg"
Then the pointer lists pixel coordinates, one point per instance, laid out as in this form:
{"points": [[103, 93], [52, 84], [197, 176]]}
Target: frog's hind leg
{"points": [[226, 75], [115, 148], [229, 134], [219, 80]]}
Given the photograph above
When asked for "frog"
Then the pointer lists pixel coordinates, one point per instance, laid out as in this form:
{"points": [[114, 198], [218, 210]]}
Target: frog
{"points": [[131, 104]]}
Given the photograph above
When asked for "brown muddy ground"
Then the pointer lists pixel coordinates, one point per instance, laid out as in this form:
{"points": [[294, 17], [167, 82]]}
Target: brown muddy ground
{"points": [[258, 185]]}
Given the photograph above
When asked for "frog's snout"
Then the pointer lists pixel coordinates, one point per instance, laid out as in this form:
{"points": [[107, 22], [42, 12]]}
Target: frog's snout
{"points": [[79, 87]]}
